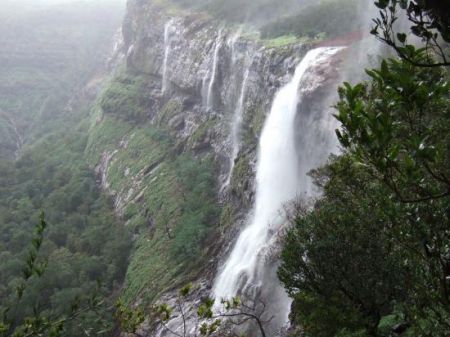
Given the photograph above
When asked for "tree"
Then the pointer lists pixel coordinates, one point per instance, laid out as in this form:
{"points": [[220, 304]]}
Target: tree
{"points": [[398, 128], [340, 260], [206, 319], [42, 322], [430, 21], [377, 245]]}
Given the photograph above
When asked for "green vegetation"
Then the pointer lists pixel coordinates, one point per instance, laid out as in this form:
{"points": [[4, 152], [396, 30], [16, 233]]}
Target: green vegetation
{"points": [[81, 309], [199, 139], [170, 202], [283, 22], [354, 271], [255, 12], [48, 54], [282, 41], [208, 320], [84, 242], [127, 98], [166, 192], [253, 121], [372, 256], [168, 111], [242, 174], [329, 18], [278, 23]]}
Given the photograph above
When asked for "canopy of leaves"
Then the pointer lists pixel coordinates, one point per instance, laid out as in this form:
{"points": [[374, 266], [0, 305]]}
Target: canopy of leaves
{"points": [[373, 254], [83, 243], [331, 17]]}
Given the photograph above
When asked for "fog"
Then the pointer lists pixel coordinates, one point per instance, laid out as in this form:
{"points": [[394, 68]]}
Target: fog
{"points": [[49, 2], [49, 50], [20, 7]]}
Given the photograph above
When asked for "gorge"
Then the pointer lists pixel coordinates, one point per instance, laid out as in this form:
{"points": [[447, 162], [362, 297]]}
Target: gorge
{"points": [[201, 133]]}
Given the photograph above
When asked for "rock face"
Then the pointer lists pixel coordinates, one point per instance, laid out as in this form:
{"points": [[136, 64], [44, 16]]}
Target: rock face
{"points": [[204, 68], [207, 90]]}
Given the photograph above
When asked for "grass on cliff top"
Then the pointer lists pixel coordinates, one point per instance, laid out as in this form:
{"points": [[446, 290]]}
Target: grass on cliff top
{"points": [[127, 98], [170, 7], [281, 41], [330, 17], [287, 40]]}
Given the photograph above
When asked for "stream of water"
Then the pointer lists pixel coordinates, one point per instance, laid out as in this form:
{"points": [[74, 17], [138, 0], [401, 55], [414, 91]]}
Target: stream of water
{"points": [[210, 96], [167, 47], [280, 178]]}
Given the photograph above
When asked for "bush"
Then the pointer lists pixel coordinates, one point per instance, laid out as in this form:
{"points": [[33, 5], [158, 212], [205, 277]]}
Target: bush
{"points": [[331, 17], [127, 98]]}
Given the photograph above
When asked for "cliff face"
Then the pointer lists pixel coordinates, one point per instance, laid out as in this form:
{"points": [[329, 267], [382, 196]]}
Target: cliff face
{"points": [[174, 139], [184, 171], [211, 73]]}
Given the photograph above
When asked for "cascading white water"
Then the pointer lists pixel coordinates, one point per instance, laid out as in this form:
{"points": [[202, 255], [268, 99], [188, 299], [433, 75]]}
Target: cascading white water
{"points": [[232, 44], [167, 46], [279, 179], [237, 120], [212, 80]]}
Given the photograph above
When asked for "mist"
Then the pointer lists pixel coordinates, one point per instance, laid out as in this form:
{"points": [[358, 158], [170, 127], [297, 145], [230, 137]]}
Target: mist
{"points": [[50, 49], [174, 142]]}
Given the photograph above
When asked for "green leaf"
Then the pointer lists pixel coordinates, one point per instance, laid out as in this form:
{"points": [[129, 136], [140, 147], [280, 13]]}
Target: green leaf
{"points": [[401, 37]]}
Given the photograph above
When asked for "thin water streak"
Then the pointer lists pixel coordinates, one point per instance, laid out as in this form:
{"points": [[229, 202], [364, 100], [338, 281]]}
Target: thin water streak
{"points": [[210, 97], [167, 47]]}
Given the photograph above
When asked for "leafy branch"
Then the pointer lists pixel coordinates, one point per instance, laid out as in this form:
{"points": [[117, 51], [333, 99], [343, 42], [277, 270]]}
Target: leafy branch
{"points": [[41, 323], [427, 24], [208, 319]]}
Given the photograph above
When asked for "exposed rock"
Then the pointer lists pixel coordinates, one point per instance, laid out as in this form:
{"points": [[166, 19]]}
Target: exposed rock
{"points": [[183, 54]]}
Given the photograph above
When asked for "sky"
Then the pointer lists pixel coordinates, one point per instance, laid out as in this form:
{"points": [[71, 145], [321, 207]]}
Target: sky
{"points": [[47, 2], [7, 7]]}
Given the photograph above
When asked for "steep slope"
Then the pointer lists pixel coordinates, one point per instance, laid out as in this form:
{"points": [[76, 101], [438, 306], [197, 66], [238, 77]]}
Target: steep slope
{"points": [[166, 156], [46, 94], [173, 135], [174, 138]]}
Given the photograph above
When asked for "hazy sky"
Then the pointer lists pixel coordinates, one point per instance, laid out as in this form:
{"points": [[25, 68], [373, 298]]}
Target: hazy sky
{"points": [[47, 2], [31, 4], [11, 9]]}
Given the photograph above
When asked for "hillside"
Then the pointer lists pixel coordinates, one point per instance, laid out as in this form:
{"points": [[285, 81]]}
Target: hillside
{"points": [[196, 162]]}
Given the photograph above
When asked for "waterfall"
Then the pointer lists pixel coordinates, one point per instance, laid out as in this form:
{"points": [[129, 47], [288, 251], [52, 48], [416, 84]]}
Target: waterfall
{"points": [[232, 44], [237, 120], [209, 97], [279, 179], [167, 40], [241, 63]]}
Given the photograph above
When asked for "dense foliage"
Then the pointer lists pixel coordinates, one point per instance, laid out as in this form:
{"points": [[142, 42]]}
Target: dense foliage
{"points": [[300, 18], [84, 243], [372, 257], [255, 12], [168, 195], [46, 321], [430, 22], [330, 18], [49, 52], [126, 98]]}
